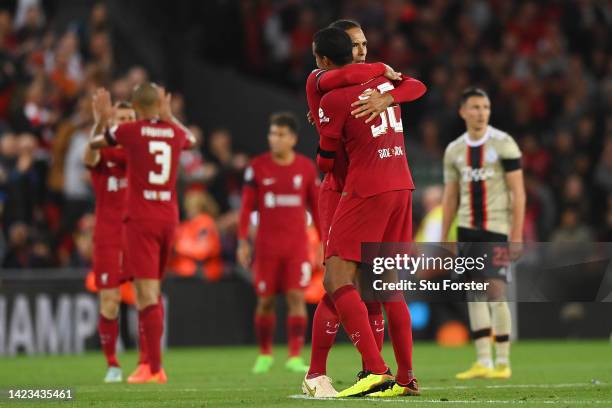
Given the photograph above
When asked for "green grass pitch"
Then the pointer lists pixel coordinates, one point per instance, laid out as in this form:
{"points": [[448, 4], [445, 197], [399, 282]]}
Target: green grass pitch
{"points": [[560, 374]]}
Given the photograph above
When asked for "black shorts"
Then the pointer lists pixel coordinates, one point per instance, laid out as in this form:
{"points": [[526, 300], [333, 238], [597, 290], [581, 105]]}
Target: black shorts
{"points": [[494, 246]]}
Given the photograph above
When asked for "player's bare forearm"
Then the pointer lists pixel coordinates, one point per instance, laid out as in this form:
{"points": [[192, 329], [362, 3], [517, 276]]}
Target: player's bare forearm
{"points": [[91, 157], [191, 139], [450, 202], [98, 142], [373, 103], [516, 185]]}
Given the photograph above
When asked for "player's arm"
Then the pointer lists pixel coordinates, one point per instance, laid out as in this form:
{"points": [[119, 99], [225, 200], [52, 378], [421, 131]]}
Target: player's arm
{"points": [[91, 157], [102, 110], [450, 198], [313, 98], [312, 199], [249, 197], [450, 202], [407, 90], [351, 74], [514, 180], [333, 114], [510, 157], [165, 113]]}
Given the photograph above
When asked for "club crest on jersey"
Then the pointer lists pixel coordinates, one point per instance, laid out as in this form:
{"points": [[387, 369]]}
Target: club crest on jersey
{"points": [[322, 117], [297, 181], [491, 155]]}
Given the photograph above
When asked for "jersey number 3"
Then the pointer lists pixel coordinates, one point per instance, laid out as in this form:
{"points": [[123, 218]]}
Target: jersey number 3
{"points": [[388, 117], [163, 156]]}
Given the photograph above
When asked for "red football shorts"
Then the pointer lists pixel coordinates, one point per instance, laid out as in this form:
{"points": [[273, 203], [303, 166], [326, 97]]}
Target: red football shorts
{"points": [[385, 217], [147, 244], [276, 274], [328, 202], [107, 265]]}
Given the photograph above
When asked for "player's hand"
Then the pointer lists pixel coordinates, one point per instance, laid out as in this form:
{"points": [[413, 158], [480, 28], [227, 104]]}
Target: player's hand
{"points": [[102, 105], [243, 254], [392, 74], [309, 118], [371, 103], [515, 250], [165, 104]]}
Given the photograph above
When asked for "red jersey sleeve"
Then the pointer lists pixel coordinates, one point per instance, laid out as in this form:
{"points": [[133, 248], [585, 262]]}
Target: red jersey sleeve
{"points": [[407, 90], [333, 112], [249, 196], [351, 74], [117, 135], [313, 96]]}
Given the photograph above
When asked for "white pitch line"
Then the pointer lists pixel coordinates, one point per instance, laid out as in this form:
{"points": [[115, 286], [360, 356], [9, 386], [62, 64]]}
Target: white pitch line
{"points": [[467, 387], [418, 400]]}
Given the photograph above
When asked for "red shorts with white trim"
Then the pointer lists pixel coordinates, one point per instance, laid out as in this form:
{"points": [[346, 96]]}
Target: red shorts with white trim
{"points": [[276, 274], [385, 217], [147, 244], [107, 266], [328, 202]]}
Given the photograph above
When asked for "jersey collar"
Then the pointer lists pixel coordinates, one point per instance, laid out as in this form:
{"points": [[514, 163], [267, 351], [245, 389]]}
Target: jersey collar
{"points": [[476, 143]]}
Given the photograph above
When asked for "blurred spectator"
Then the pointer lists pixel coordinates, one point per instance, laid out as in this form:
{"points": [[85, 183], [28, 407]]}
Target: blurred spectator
{"points": [[572, 229], [198, 248], [81, 252], [546, 66], [225, 185], [26, 249]]}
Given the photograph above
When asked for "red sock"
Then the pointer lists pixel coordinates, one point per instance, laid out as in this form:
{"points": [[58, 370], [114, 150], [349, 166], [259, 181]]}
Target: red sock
{"points": [[296, 329], [142, 344], [109, 330], [354, 317], [377, 324], [264, 331], [400, 330], [153, 325], [324, 328]]}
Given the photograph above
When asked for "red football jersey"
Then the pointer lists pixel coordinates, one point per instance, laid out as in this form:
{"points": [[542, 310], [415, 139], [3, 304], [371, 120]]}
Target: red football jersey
{"points": [[281, 195], [376, 152], [153, 148], [351, 74], [109, 183], [333, 180]]}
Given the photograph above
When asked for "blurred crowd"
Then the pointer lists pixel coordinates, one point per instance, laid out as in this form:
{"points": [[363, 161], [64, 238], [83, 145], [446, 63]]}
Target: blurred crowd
{"points": [[545, 64], [46, 199]]}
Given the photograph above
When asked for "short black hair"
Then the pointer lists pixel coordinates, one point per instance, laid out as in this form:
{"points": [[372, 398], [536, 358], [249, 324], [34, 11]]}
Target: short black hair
{"points": [[334, 44], [344, 24], [469, 92], [285, 119]]}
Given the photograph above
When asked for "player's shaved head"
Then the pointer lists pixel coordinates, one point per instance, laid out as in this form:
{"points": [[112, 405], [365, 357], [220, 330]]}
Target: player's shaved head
{"points": [[334, 45], [145, 96]]}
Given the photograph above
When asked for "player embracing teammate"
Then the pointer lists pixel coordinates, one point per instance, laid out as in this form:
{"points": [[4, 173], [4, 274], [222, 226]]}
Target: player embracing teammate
{"points": [[152, 145], [374, 206]]}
